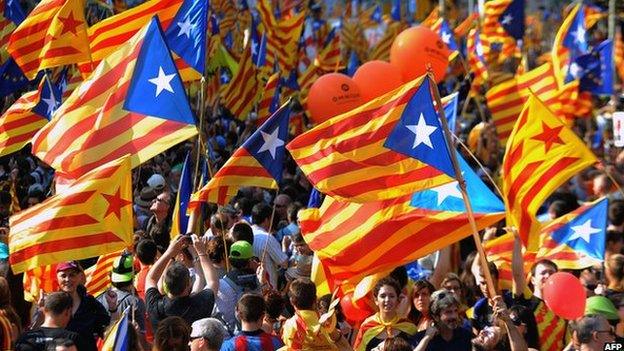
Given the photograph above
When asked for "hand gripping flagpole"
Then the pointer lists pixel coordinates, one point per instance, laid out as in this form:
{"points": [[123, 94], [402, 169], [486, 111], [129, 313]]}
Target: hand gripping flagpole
{"points": [[462, 185]]}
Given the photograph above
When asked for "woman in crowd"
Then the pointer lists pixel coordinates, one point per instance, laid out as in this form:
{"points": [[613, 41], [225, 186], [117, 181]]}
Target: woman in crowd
{"points": [[386, 323], [419, 313]]}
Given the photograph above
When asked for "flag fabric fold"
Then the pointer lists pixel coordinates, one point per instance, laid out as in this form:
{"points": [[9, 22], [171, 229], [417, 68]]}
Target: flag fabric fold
{"points": [[367, 154], [134, 103], [541, 154], [258, 162], [53, 34], [93, 216]]}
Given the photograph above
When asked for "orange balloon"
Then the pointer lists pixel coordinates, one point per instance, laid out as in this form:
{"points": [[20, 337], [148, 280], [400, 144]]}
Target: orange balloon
{"points": [[415, 48], [331, 95], [376, 78]]}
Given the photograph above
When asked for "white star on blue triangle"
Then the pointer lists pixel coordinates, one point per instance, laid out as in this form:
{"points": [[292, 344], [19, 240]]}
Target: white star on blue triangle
{"points": [[267, 144], [418, 133], [446, 33], [155, 66], [49, 100], [576, 37], [13, 11], [512, 19], [258, 46], [186, 35], [448, 198], [586, 233]]}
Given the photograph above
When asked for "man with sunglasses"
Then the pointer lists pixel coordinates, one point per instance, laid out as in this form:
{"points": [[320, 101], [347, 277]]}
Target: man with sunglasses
{"points": [[593, 332]]}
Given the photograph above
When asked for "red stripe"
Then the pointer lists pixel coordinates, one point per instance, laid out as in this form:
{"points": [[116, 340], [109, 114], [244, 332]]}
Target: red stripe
{"points": [[343, 126], [67, 200], [31, 118], [548, 176], [520, 181], [63, 222], [513, 157], [17, 139], [112, 23], [133, 146], [57, 246], [244, 171]]}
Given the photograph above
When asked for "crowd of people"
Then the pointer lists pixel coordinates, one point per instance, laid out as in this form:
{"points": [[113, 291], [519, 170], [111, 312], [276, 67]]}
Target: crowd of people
{"points": [[243, 281]]}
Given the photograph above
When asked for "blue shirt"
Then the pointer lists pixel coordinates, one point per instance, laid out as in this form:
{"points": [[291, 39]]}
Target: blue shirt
{"points": [[252, 341]]}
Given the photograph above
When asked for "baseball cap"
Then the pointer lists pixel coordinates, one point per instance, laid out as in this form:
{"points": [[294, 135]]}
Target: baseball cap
{"points": [[156, 181], [123, 270], [241, 250], [603, 306], [64, 266], [210, 328]]}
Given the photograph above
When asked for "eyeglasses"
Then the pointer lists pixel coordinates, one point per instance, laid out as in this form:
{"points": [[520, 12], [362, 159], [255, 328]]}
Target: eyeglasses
{"points": [[611, 331]]}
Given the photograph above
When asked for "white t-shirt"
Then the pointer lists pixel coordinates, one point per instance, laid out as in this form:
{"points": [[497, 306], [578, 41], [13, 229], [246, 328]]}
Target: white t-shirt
{"points": [[274, 256]]}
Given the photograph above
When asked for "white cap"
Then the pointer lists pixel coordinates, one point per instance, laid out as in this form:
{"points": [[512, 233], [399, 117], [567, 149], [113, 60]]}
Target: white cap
{"points": [[156, 181]]}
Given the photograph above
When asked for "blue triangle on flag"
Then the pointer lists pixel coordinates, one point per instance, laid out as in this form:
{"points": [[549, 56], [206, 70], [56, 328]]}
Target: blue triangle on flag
{"points": [[448, 197], [596, 69], [186, 35], [512, 19], [13, 11], [447, 36], [49, 99], [587, 232], [377, 15], [156, 88], [315, 199], [353, 64], [418, 133], [267, 144], [395, 11], [12, 78], [576, 37]]}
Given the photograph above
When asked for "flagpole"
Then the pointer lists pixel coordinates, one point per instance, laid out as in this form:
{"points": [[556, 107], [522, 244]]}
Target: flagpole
{"points": [[266, 244], [462, 186], [202, 97], [49, 83]]}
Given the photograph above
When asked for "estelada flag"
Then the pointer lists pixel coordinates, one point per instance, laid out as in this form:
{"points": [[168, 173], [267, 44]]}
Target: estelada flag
{"points": [[91, 217]]}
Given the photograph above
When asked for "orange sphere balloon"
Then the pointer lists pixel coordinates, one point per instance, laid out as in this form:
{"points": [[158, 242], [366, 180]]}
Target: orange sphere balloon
{"points": [[331, 95], [415, 48], [376, 78]]}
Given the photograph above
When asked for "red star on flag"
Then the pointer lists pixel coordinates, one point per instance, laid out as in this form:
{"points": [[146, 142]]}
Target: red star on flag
{"points": [[549, 136], [115, 204], [70, 24]]}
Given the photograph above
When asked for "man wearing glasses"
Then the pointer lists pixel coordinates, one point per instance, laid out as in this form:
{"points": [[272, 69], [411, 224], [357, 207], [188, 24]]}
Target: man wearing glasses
{"points": [[593, 333]]}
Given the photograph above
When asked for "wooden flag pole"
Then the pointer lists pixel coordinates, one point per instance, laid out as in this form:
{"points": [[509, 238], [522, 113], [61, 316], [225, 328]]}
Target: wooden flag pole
{"points": [[266, 244], [202, 101], [462, 185]]}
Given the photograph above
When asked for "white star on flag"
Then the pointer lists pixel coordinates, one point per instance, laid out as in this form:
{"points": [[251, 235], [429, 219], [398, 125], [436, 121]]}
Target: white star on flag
{"points": [[446, 37], [422, 132], [162, 82], [507, 19], [583, 231], [51, 102], [185, 27], [575, 70], [447, 190], [479, 48], [579, 34], [254, 48], [271, 142]]}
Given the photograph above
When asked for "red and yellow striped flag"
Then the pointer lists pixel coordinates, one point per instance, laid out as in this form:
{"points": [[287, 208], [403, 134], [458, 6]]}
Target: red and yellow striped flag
{"points": [[19, 123], [345, 156], [476, 60], [353, 38], [382, 50], [93, 216], [328, 60], [507, 99], [355, 240], [99, 275], [39, 279], [266, 107], [242, 92], [494, 31], [500, 252], [282, 36], [541, 154], [53, 34], [559, 54], [107, 35], [432, 17]]}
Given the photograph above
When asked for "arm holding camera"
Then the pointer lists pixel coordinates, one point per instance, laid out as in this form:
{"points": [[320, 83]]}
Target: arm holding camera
{"points": [[209, 272], [175, 246]]}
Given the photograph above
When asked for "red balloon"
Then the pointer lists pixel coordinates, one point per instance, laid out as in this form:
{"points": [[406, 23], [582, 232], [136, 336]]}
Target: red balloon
{"points": [[415, 48], [564, 295], [376, 78], [354, 313], [331, 95]]}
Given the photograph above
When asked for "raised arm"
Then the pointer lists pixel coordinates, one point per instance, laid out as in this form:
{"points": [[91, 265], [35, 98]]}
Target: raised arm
{"points": [[517, 265], [210, 274], [175, 246]]}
